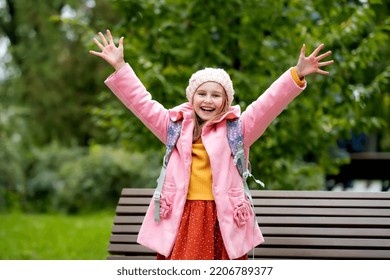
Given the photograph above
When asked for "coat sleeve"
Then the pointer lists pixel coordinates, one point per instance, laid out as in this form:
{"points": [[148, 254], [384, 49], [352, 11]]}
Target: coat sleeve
{"points": [[125, 84], [259, 115]]}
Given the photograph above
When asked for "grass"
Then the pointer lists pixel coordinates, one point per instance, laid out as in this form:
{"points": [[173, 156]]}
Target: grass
{"points": [[54, 237]]}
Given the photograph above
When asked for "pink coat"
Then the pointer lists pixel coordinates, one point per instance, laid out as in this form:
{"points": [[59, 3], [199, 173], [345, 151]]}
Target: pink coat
{"points": [[239, 236]]}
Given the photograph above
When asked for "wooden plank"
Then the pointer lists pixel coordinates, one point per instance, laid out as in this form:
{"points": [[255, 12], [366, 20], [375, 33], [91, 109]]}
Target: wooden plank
{"points": [[315, 253], [126, 219], [320, 195], [290, 231], [318, 221], [327, 242], [129, 211], [134, 219], [339, 203], [322, 231], [123, 229], [133, 210], [280, 194], [125, 200], [138, 192], [292, 241], [272, 253], [123, 238], [122, 257], [291, 220], [331, 212], [128, 248]]}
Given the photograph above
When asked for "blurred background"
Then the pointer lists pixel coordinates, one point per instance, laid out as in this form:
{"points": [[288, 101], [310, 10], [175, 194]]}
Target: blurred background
{"points": [[68, 146]]}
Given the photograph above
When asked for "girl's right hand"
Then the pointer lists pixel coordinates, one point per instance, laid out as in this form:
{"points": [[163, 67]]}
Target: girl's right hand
{"points": [[109, 52]]}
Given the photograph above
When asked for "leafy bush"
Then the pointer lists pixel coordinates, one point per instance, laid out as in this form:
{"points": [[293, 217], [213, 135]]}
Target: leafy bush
{"points": [[79, 179], [95, 180]]}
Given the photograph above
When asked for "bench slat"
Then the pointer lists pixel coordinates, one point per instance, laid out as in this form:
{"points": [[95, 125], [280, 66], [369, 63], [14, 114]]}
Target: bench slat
{"points": [[148, 192], [361, 203], [294, 220], [264, 211], [286, 253], [293, 241], [293, 202], [123, 257], [326, 242], [290, 231], [320, 231], [323, 221], [270, 253], [124, 238], [126, 248]]}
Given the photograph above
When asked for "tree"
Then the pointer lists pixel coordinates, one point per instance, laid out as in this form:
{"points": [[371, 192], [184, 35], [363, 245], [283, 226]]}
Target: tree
{"points": [[255, 41], [52, 74]]}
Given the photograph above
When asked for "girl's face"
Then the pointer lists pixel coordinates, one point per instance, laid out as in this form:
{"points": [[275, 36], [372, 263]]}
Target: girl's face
{"points": [[209, 100]]}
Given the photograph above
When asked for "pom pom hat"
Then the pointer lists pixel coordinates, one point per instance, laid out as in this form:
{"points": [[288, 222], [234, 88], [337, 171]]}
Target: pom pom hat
{"points": [[217, 75]]}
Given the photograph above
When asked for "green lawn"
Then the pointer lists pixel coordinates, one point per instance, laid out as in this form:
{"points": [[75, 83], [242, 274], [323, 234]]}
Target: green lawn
{"points": [[54, 237]]}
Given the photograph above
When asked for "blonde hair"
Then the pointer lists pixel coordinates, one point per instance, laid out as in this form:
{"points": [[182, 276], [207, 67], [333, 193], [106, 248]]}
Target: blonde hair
{"points": [[199, 124]]}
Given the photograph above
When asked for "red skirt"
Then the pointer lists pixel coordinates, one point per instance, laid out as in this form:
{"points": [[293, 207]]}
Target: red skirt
{"points": [[199, 236]]}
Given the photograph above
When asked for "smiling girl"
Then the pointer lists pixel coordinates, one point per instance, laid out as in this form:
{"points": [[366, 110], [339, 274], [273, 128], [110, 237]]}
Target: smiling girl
{"points": [[204, 213]]}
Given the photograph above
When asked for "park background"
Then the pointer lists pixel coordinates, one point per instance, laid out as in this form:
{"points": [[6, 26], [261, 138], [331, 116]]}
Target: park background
{"points": [[68, 146]]}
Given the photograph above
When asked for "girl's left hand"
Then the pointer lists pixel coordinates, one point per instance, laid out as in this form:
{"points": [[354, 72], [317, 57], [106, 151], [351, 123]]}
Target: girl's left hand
{"points": [[311, 64]]}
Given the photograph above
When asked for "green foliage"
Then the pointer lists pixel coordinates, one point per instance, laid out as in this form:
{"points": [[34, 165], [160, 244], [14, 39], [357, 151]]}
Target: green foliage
{"points": [[94, 181], [14, 138], [256, 41], [82, 180], [51, 73]]}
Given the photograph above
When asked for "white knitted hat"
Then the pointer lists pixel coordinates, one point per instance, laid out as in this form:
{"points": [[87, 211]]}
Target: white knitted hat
{"points": [[210, 75]]}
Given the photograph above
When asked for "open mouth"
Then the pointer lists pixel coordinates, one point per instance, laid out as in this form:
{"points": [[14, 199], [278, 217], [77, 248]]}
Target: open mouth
{"points": [[207, 109]]}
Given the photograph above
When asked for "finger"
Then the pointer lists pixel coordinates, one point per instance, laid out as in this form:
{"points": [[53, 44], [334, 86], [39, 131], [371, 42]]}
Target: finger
{"points": [[103, 38], [322, 72], [317, 50], [325, 63], [303, 50], [322, 56], [121, 41], [110, 37], [98, 43], [96, 53]]}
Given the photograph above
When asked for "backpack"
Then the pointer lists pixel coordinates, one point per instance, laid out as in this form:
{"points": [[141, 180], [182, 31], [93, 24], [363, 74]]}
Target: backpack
{"points": [[236, 143]]}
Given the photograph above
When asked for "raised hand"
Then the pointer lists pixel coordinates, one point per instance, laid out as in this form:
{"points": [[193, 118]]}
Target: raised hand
{"points": [[109, 52], [312, 63]]}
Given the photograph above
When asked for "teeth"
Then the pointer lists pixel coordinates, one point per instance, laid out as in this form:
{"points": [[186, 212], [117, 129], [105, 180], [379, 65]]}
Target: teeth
{"points": [[207, 109]]}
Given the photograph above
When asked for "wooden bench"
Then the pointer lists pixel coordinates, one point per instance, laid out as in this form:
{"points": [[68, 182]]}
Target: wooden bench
{"points": [[295, 224]]}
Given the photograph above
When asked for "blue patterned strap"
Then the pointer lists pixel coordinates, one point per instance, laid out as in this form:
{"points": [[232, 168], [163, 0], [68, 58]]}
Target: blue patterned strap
{"points": [[157, 193], [236, 142], [173, 135]]}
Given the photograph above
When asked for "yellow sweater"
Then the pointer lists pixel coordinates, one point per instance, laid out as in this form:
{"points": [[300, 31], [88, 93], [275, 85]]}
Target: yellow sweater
{"points": [[200, 187]]}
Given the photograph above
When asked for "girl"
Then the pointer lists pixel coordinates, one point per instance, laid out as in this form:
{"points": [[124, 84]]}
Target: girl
{"points": [[204, 213]]}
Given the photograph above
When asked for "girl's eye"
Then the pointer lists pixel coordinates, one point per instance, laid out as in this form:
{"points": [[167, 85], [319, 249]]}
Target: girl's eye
{"points": [[216, 95]]}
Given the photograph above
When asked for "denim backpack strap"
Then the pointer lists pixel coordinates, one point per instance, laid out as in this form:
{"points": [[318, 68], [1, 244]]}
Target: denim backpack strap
{"points": [[236, 143], [173, 135]]}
